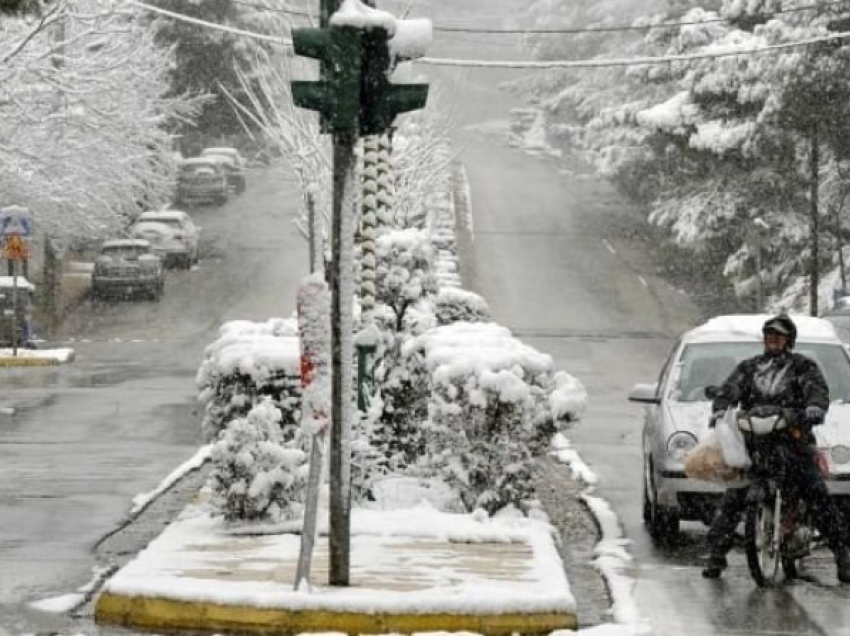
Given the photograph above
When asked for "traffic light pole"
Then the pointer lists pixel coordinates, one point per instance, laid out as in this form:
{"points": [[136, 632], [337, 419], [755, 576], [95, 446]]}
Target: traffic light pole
{"points": [[342, 298]]}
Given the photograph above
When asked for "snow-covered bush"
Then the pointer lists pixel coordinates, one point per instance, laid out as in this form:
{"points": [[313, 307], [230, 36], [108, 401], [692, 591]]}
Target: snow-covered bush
{"points": [[404, 271], [250, 361], [493, 403], [256, 475], [459, 305]]}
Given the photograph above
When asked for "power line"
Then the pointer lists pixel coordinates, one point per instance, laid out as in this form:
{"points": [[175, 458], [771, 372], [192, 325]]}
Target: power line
{"points": [[577, 30], [621, 28], [635, 61], [211, 25], [592, 63]]}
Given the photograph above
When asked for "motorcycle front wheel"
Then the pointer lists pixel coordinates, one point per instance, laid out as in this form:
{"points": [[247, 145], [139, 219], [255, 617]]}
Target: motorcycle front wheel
{"points": [[762, 546]]}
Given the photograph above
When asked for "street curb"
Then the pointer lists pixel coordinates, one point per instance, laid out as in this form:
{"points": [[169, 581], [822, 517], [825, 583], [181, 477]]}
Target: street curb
{"points": [[165, 614], [31, 361]]}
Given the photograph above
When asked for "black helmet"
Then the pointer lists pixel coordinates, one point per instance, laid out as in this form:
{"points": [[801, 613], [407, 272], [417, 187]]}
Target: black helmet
{"points": [[784, 325]]}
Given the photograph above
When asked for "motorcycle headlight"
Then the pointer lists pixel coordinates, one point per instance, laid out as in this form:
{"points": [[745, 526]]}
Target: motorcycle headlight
{"points": [[839, 454], [679, 444]]}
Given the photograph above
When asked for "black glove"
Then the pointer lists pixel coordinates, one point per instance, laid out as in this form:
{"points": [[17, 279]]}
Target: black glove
{"points": [[813, 415], [715, 418]]}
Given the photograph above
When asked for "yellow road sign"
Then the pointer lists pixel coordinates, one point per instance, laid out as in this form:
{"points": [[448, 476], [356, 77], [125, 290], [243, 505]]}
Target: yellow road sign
{"points": [[15, 249]]}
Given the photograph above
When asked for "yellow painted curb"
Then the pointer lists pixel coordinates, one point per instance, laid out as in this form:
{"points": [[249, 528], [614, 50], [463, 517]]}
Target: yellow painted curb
{"points": [[28, 361], [164, 614]]}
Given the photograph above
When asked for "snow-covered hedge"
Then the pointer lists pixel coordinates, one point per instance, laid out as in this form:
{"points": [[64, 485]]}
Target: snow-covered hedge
{"points": [[493, 404], [256, 474], [249, 361]]}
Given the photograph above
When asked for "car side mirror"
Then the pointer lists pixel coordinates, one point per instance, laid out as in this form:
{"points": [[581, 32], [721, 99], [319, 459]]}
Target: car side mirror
{"points": [[645, 394]]}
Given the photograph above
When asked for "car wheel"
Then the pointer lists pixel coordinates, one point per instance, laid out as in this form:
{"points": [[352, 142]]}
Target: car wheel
{"points": [[661, 522]]}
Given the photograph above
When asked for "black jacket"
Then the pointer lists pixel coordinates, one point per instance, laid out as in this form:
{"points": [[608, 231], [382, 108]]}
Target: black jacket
{"points": [[789, 380]]}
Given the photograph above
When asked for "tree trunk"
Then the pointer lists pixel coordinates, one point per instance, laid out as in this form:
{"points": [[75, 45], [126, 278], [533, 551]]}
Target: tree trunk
{"points": [[814, 273]]}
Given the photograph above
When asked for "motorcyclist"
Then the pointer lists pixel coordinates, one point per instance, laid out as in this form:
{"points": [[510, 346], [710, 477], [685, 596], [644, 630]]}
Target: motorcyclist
{"points": [[780, 377]]}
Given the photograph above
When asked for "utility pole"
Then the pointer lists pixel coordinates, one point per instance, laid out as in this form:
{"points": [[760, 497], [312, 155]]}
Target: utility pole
{"points": [[354, 95]]}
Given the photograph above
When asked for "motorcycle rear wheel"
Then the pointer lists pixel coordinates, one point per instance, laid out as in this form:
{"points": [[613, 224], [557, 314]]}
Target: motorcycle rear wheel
{"points": [[763, 556]]}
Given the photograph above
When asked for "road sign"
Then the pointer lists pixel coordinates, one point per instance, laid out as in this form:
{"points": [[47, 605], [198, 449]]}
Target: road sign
{"points": [[15, 219], [15, 249]]}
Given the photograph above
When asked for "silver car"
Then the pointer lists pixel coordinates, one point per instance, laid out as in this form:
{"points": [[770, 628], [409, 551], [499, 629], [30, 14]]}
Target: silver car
{"points": [[172, 234], [678, 411]]}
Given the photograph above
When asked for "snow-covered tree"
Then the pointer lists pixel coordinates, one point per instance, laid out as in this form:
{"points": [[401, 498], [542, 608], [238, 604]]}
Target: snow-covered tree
{"points": [[85, 117], [210, 60]]}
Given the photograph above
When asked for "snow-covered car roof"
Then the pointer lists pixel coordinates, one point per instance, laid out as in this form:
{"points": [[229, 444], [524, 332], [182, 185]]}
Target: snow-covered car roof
{"points": [[220, 151], [198, 161], [748, 328], [161, 215], [222, 159], [118, 243]]}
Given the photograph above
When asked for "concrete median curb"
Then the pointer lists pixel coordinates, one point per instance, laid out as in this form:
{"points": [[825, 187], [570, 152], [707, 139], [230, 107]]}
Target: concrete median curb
{"points": [[412, 570], [165, 614]]}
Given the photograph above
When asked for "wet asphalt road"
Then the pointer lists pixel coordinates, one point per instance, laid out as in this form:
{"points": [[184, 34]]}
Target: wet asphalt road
{"points": [[89, 436], [570, 268]]}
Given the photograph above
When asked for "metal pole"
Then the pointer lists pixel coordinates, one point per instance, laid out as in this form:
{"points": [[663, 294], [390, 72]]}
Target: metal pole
{"points": [[341, 362]]}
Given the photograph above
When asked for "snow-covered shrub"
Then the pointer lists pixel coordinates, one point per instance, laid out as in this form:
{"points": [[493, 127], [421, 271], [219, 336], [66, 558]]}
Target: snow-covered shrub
{"points": [[404, 272], [248, 362], [494, 402], [402, 397], [459, 305], [255, 474], [405, 283]]}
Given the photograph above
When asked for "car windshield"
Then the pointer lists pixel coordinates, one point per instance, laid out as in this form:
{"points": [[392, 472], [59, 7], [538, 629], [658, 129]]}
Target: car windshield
{"points": [[710, 363], [198, 170], [124, 252], [172, 223]]}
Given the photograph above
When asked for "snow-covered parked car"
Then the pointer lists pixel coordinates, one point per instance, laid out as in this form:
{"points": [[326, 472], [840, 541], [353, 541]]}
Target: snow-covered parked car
{"points": [[125, 267], [202, 180], [234, 163], [678, 411], [172, 234]]}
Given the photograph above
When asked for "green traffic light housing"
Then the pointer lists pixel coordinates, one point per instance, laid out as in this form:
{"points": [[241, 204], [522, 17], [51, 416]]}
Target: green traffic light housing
{"points": [[337, 95], [380, 100]]}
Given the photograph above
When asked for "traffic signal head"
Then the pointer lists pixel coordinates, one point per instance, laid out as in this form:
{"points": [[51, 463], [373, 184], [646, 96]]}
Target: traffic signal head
{"points": [[336, 96], [380, 100]]}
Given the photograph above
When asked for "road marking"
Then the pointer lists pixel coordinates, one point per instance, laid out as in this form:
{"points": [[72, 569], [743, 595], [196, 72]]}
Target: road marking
{"points": [[643, 282], [609, 246]]}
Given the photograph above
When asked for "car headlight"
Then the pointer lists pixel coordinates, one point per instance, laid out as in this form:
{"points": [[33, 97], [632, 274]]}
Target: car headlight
{"points": [[678, 445], [839, 454]]}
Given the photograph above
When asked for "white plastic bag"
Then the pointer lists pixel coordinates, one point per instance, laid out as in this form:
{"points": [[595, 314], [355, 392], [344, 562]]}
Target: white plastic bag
{"points": [[732, 445], [705, 461]]}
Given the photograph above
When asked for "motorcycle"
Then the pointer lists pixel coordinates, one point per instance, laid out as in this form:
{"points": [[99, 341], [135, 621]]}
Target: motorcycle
{"points": [[778, 527]]}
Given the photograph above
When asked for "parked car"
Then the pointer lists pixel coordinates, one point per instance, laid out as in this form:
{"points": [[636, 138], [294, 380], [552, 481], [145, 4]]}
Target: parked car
{"points": [[202, 180], [234, 163], [125, 267], [172, 235], [678, 411]]}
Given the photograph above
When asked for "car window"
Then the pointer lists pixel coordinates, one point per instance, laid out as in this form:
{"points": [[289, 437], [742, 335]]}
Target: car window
{"points": [[124, 252], [174, 223], [710, 364]]}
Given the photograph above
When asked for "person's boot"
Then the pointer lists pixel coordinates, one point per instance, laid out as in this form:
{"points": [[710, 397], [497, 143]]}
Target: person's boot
{"points": [[716, 564], [842, 562]]}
